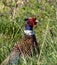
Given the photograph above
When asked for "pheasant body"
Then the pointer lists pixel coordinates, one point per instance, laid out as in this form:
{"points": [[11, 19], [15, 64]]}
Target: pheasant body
{"points": [[25, 45]]}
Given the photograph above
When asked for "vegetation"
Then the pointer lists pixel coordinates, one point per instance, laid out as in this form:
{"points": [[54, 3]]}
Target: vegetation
{"points": [[12, 15]]}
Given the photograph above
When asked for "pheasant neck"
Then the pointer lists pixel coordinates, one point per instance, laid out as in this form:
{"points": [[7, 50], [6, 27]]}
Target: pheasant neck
{"points": [[28, 29]]}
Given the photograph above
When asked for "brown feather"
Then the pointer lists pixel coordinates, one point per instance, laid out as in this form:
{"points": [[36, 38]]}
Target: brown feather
{"points": [[25, 45]]}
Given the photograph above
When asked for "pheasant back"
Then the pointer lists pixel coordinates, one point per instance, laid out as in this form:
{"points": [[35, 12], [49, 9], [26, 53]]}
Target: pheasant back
{"points": [[25, 45]]}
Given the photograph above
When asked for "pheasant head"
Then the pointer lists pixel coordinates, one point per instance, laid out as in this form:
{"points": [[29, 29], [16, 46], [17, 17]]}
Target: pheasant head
{"points": [[30, 22]]}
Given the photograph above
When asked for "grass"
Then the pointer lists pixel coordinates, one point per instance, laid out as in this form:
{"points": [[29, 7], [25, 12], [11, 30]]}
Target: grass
{"points": [[11, 31]]}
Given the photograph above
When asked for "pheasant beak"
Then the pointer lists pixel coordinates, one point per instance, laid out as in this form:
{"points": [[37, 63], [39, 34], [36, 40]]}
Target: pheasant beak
{"points": [[36, 22]]}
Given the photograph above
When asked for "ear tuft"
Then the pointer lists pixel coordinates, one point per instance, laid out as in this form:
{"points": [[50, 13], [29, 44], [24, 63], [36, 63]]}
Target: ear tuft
{"points": [[26, 19]]}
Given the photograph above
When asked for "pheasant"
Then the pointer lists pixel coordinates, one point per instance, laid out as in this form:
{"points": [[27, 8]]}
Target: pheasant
{"points": [[25, 45]]}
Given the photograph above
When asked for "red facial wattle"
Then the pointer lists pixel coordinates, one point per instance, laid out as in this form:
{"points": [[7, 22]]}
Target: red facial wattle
{"points": [[32, 21]]}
